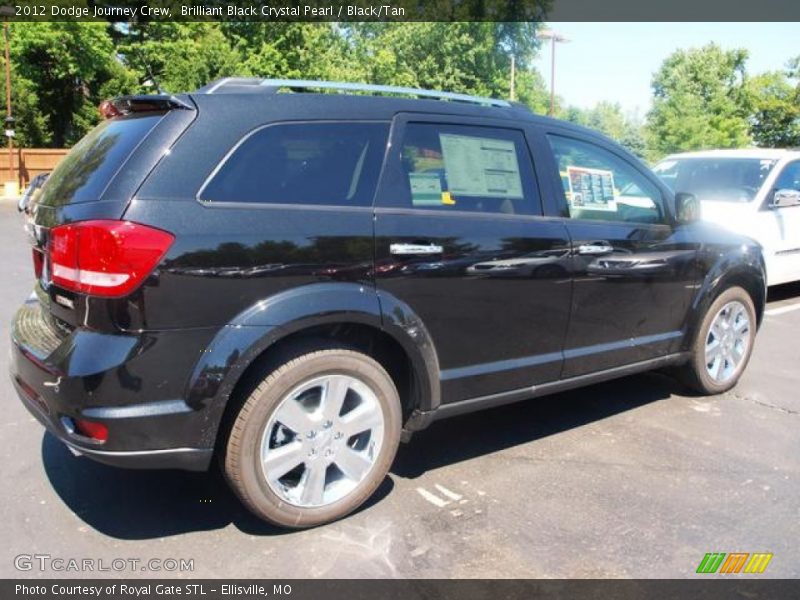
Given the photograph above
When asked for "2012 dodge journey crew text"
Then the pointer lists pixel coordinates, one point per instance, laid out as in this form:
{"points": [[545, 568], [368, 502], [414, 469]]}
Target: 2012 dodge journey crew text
{"points": [[291, 278]]}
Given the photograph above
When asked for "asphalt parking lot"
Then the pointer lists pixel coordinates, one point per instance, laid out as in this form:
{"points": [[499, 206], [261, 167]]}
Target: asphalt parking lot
{"points": [[630, 478]]}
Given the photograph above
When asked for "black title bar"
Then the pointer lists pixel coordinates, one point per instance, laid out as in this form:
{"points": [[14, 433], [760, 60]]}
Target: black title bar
{"points": [[705, 588], [401, 10]]}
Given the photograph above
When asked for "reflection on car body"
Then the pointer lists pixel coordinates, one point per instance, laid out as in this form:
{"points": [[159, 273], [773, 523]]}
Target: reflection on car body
{"points": [[544, 263]]}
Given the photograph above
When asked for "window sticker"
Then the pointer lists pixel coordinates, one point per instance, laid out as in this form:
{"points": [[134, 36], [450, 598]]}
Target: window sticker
{"points": [[482, 167], [448, 199], [426, 189], [591, 189]]}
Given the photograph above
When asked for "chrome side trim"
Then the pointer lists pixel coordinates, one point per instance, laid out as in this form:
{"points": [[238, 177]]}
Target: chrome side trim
{"points": [[618, 345], [539, 359], [552, 387], [501, 365]]}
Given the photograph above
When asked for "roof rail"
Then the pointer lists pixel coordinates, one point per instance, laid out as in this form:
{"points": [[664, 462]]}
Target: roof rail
{"points": [[273, 85]]}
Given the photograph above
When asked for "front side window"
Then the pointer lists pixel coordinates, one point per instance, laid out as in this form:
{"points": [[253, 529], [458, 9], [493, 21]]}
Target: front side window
{"points": [[789, 179], [303, 163], [599, 185], [474, 169]]}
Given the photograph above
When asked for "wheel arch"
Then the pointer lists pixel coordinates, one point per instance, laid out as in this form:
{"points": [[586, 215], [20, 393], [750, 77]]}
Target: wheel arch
{"points": [[749, 275], [261, 337]]}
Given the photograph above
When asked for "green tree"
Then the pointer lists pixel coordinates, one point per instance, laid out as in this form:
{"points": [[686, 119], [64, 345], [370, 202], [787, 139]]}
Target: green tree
{"points": [[700, 101], [60, 71], [180, 56], [31, 125], [294, 50], [775, 119], [793, 70], [473, 58], [609, 118]]}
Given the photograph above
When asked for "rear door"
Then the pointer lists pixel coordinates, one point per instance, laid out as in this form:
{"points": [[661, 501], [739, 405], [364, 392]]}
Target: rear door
{"points": [[460, 238], [634, 269]]}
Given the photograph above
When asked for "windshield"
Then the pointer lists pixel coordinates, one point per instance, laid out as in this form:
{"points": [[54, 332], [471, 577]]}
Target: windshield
{"points": [[718, 179]]}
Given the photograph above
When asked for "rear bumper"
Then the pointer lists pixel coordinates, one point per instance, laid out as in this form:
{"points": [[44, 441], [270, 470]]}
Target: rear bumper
{"points": [[132, 384]]}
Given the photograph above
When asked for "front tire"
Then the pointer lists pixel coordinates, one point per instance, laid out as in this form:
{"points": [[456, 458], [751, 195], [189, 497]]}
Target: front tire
{"points": [[315, 439], [723, 344]]}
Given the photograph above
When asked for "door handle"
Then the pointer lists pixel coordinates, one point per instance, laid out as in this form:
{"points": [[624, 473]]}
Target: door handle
{"points": [[415, 249], [595, 249]]}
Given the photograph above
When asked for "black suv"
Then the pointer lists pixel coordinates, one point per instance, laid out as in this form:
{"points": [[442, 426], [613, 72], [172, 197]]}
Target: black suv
{"points": [[295, 280]]}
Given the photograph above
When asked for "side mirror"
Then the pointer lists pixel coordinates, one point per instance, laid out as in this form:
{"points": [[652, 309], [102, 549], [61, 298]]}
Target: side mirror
{"points": [[784, 198], [687, 208]]}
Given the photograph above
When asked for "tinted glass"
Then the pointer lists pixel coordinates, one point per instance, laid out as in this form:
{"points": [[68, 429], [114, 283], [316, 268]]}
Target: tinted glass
{"points": [[88, 168], [477, 169], [718, 179], [789, 179], [303, 163], [600, 185]]}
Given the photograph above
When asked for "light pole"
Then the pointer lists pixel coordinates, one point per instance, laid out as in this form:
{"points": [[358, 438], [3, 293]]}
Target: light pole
{"points": [[513, 78], [7, 11], [554, 38]]}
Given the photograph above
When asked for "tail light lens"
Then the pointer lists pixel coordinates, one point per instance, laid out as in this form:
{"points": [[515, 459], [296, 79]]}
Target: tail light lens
{"points": [[92, 430], [105, 258]]}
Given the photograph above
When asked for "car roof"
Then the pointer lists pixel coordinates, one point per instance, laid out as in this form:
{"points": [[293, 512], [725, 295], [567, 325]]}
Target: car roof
{"points": [[369, 101], [754, 153]]}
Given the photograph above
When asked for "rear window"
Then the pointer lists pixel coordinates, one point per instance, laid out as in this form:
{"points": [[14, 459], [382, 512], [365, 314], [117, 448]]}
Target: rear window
{"points": [[303, 163], [89, 167]]}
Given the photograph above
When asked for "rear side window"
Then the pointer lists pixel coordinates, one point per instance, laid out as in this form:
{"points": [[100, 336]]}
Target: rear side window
{"points": [[474, 169], [89, 167], [303, 163]]}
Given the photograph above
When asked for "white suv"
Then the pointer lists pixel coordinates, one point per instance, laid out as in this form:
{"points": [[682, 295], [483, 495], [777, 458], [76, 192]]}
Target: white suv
{"points": [[755, 192]]}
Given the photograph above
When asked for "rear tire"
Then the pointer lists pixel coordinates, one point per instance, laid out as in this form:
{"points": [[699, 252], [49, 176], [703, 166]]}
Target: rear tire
{"points": [[722, 345], [315, 439]]}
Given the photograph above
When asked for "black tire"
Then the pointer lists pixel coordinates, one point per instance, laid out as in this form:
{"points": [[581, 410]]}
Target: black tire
{"points": [[695, 374], [242, 461]]}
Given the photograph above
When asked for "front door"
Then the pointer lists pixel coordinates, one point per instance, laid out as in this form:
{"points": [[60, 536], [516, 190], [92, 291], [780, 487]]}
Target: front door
{"points": [[633, 269], [460, 239], [781, 229]]}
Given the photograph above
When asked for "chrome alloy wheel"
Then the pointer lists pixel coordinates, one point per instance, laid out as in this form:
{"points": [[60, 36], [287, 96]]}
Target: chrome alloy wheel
{"points": [[322, 440], [727, 341]]}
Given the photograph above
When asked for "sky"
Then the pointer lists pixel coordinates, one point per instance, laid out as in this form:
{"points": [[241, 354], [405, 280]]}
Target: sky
{"points": [[616, 61]]}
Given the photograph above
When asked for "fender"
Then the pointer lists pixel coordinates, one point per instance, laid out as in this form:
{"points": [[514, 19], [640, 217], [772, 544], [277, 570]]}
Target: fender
{"points": [[407, 328], [254, 330], [723, 266]]}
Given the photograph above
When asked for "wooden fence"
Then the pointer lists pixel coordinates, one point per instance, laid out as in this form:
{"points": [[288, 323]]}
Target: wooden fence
{"points": [[29, 162]]}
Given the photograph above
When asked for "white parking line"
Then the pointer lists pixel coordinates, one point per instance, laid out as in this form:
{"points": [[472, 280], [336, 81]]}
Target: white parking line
{"points": [[450, 494], [432, 498], [782, 309]]}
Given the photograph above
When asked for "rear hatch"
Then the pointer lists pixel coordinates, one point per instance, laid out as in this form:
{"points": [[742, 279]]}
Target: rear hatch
{"points": [[95, 182]]}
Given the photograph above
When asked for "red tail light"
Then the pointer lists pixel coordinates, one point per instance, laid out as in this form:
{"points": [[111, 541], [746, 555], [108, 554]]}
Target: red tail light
{"points": [[90, 429], [105, 258]]}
